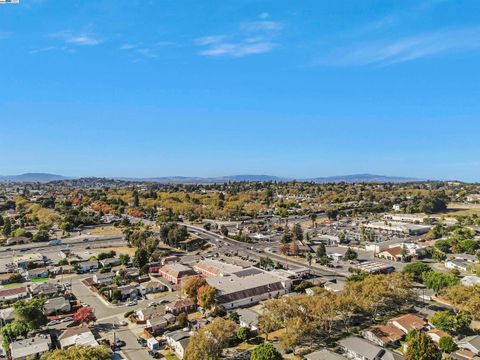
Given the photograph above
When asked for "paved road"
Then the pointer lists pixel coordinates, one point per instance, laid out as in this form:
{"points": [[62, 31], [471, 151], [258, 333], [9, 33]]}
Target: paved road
{"points": [[108, 315], [254, 253]]}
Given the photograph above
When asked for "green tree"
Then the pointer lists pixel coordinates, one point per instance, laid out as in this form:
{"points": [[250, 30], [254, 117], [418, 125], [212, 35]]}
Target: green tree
{"points": [[31, 312], [234, 316], [266, 262], [416, 269], [286, 237], [421, 347], [209, 341], [463, 319], [124, 259], [447, 344], [297, 232], [350, 254], [438, 281], [182, 319], [140, 259], [265, 351], [243, 333], [12, 331], [321, 251], [7, 227], [224, 230], [444, 320], [79, 352]]}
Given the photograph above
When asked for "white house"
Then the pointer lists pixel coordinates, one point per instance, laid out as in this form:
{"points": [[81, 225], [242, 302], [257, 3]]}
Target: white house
{"points": [[456, 264], [103, 278], [30, 347], [14, 293], [178, 341]]}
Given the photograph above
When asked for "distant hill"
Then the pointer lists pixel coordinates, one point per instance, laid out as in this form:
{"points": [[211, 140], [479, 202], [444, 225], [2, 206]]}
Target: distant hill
{"points": [[265, 178], [44, 177], [364, 178], [32, 177]]}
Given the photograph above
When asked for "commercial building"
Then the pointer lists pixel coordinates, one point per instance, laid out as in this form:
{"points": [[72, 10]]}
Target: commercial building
{"points": [[248, 286]]}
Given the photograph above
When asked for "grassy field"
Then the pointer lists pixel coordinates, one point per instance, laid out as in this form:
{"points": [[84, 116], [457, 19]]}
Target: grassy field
{"points": [[118, 250], [106, 230], [40, 280], [12, 285], [460, 209]]}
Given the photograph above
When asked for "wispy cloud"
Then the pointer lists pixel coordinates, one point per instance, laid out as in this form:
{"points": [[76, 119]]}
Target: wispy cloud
{"points": [[80, 39], [252, 38], [405, 49], [211, 39], [146, 52], [127, 46], [44, 49], [238, 50]]}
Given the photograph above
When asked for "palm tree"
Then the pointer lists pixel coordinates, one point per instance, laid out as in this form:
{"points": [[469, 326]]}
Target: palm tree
{"points": [[309, 258], [313, 217]]}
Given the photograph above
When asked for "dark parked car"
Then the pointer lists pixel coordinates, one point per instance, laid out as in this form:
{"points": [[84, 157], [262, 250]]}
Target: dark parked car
{"points": [[155, 354]]}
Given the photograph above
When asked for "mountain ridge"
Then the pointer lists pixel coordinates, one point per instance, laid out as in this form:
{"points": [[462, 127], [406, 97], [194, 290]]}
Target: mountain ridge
{"points": [[47, 177]]}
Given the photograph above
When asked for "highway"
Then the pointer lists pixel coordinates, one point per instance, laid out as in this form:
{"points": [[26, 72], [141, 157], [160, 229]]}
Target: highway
{"points": [[257, 251]]}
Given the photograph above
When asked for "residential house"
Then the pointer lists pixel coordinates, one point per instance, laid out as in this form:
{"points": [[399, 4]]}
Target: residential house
{"points": [[324, 354], [152, 287], [178, 341], [129, 292], [80, 335], [470, 280], [393, 254], [156, 324], [30, 347], [38, 273], [87, 266], [7, 315], [15, 293], [461, 265], [58, 305], [45, 289], [181, 305], [169, 260], [248, 318], [436, 334], [360, 349], [62, 269], [408, 322], [17, 240], [174, 272], [466, 257], [102, 279], [471, 343], [148, 313], [464, 354], [5, 278], [383, 335], [130, 273], [335, 286], [23, 261], [109, 262]]}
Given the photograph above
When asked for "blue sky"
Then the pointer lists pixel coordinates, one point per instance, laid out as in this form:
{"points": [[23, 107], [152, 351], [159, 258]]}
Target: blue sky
{"points": [[206, 88]]}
